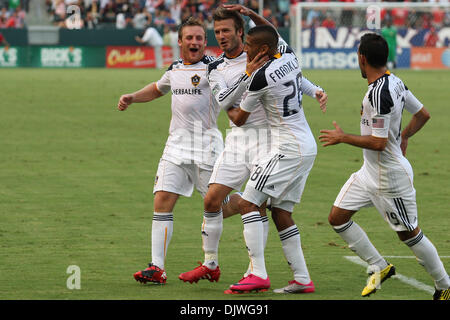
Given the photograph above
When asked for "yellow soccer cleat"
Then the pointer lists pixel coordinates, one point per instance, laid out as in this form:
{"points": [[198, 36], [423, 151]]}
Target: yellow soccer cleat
{"points": [[376, 279], [442, 294]]}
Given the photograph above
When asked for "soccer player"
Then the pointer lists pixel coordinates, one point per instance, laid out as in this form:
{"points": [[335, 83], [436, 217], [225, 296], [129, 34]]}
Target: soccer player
{"points": [[228, 77], [151, 37], [193, 144], [386, 177], [282, 173], [389, 33]]}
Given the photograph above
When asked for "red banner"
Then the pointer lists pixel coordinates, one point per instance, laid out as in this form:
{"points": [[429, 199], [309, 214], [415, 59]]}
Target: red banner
{"points": [[130, 57]]}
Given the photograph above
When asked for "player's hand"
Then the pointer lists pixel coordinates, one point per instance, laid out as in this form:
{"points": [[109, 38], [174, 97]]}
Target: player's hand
{"points": [[322, 98], [124, 101], [258, 61], [240, 8], [331, 137], [404, 145]]}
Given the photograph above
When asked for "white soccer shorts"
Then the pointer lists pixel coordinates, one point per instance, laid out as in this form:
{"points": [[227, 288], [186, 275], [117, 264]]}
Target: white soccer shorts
{"points": [[281, 178], [399, 212], [181, 179], [243, 148]]}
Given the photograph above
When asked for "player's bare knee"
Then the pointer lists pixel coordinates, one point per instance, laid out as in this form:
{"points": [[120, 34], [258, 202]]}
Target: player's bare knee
{"points": [[246, 206], [212, 203], [406, 235], [339, 216], [282, 219]]}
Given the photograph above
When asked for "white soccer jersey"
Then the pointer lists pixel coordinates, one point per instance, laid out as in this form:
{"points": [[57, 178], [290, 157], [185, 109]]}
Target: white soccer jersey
{"points": [[279, 85], [387, 172], [193, 133], [228, 81]]}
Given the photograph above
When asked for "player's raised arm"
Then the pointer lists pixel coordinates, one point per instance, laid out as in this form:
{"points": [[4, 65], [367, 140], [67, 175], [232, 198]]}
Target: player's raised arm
{"points": [[146, 94], [256, 18]]}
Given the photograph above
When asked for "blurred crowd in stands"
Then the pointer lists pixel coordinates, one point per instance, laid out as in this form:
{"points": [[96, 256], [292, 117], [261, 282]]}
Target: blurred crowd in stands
{"points": [[13, 13], [167, 14], [142, 13]]}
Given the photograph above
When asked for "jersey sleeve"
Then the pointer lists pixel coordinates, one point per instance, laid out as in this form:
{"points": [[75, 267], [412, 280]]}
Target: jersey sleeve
{"points": [[163, 84], [256, 89], [382, 104], [412, 104], [226, 96], [148, 34], [309, 88], [251, 100]]}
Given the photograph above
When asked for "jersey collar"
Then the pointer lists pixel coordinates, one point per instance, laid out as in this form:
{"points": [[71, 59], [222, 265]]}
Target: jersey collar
{"points": [[386, 74], [190, 64], [234, 57]]}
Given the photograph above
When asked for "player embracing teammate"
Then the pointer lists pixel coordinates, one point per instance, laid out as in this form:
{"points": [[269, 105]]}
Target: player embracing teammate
{"points": [[260, 85]]}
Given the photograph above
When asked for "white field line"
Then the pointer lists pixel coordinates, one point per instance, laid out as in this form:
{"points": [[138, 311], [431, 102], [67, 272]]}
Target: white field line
{"points": [[411, 257], [410, 281]]}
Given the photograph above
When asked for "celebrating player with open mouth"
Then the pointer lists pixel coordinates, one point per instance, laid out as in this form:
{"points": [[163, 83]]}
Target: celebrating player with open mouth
{"points": [[189, 155]]}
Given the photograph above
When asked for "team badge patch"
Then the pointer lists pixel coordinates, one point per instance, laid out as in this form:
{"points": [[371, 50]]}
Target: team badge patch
{"points": [[195, 80]]}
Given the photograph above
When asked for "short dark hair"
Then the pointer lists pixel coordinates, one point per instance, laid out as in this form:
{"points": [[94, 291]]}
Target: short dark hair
{"points": [[189, 23], [374, 47], [265, 34], [222, 13]]}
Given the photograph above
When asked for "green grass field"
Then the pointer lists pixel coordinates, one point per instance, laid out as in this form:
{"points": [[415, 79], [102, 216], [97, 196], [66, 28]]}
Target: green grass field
{"points": [[76, 180]]}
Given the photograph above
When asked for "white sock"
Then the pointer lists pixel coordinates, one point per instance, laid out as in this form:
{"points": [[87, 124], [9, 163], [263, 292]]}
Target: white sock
{"points": [[254, 239], [211, 231], [292, 248], [265, 222], [428, 257], [359, 243], [162, 229]]}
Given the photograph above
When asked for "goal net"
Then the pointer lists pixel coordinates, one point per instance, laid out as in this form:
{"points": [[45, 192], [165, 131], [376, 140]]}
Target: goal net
{"points": [[325, 35]]}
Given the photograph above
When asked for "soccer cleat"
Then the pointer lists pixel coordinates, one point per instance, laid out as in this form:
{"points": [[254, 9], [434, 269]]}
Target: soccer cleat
{"points": [[377, 278], [297, 287], [201, 272], [442, 294], [249, 284], [151, 274]]}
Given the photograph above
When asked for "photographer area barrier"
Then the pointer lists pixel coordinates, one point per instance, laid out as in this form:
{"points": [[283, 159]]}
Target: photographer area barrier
{"points": [[323, 48]]}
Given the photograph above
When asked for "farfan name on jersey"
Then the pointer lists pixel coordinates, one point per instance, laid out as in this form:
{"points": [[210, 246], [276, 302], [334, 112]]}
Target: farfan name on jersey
{"points": [[187, 91], [284, 70]]}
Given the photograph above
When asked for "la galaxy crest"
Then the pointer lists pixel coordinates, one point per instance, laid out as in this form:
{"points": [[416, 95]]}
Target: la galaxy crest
{"points": [[195, 80]]}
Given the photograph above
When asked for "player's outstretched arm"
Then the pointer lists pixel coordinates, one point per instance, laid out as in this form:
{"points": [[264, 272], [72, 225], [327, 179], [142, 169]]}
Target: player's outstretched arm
{"points": [[418, 120], [322, 98], [314, 91], [336, 136], [146, 94]]}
